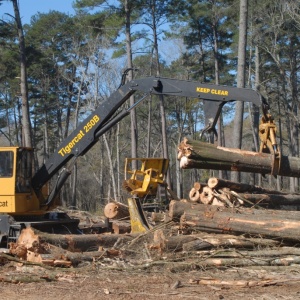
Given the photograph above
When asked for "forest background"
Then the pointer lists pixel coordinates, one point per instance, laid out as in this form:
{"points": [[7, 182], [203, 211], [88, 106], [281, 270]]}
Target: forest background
{"points": [[74, 62]]}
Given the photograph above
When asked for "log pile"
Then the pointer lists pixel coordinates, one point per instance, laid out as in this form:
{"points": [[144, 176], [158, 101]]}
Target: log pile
{"points": [[232, 194], [66, 250], [223, 222], [117, 214], [277, 224], [221, 236]]}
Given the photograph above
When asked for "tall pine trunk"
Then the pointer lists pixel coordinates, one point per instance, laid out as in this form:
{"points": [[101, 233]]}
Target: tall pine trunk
{"points": [[161, 98], [134, 133], [239, 109], [26, 126]]}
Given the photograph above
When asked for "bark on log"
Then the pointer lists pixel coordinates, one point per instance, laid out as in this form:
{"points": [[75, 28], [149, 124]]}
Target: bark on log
{"points": [[116, 210], [173, 243], [272, 200], [31, 237], [210, 243], [208, 218], [57, 256], [226, 241], [199, 155], [217, 183], [178, 208], [163, 242], [121, 227], [159, 217], [77, 257]]}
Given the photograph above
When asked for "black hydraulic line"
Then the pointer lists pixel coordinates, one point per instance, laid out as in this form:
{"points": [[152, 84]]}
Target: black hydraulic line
{"points": [[125, 73], [62, 178], [211, 127]]}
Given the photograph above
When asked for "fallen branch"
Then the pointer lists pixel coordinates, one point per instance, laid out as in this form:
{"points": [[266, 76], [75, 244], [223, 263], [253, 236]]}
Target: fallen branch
{"points": [[242, 283]]}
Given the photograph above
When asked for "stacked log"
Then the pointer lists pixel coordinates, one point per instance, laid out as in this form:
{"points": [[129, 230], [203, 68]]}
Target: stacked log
{"points": [[284, 225], [232, 194], [117, 214], [199, 155], [202, 193]]}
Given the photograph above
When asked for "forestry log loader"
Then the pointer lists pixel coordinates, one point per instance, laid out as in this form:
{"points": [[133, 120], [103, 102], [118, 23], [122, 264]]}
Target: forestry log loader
{"points": [[24, 199]]}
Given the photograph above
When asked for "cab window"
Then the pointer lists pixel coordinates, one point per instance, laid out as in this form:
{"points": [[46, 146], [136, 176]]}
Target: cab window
{"points": [[24, 171], [6, 164]]}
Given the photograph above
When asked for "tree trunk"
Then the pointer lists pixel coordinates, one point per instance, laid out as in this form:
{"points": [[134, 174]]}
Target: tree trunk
{"points": [[179, 187], [161, 97], [255, 108], [112, 175], [239, 109], [149, 127], [26, 126], [134, 133]]}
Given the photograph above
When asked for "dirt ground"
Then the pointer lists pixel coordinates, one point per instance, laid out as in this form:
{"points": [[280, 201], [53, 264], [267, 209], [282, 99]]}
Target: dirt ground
{"points": [[141, 274], [121, 280]]}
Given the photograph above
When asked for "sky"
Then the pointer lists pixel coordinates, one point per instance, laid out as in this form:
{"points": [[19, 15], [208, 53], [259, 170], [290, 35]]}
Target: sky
{"points": [[28, 8]]}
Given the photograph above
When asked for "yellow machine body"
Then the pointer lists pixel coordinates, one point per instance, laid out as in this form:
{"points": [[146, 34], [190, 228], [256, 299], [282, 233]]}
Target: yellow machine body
{"points": [[145, 180], [16, 195]]}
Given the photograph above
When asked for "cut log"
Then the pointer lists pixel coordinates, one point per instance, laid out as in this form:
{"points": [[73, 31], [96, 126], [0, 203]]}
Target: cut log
{"points": [[178, 208], [173, 243], [196, 245], [59, 257], [218, 183], [231, 241], [272, 200], [47, 259], [163, 242], [206, 196], [116, 210], [198, 185], [32, 238], [121, 227], [194, 195], [199, 155], [268, 223], [159, 217], [200, 192]]}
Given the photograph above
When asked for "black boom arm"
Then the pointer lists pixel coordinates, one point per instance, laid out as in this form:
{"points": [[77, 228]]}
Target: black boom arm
{"points": [[101, 120]]}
